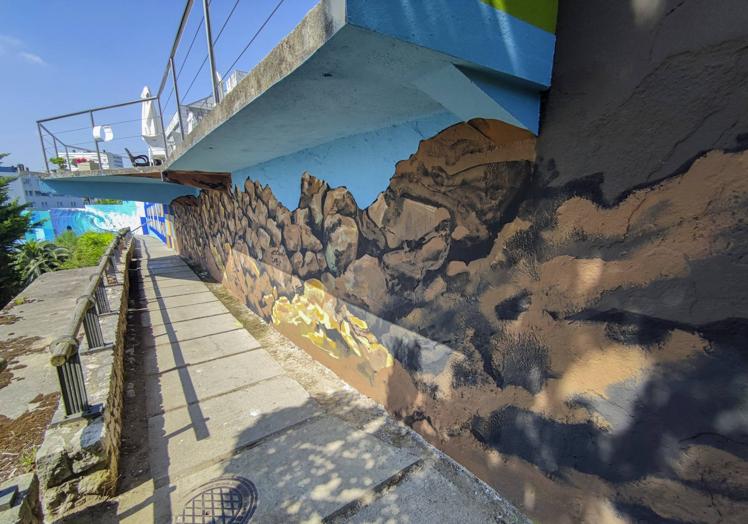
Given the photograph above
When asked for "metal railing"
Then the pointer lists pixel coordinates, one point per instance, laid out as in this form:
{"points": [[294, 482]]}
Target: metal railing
{"points": [[90, 307], [176, 129]]}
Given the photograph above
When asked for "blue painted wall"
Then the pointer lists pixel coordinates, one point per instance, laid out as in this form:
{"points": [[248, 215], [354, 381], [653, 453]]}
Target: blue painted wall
{"points": [[363, 163]]}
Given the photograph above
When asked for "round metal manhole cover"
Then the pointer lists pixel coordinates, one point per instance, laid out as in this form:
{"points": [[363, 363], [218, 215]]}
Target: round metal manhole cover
{"points": [[226, 500]]}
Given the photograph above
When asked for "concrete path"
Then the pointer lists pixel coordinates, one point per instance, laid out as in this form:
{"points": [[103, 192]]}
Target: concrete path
{"points": [[220, 406]]}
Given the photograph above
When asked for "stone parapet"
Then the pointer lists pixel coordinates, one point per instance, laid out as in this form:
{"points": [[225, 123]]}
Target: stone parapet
{"points": [[77, 464]]}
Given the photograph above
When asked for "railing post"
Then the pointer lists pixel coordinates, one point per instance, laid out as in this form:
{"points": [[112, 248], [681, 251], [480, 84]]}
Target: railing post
{"points": [[211, 56], [98, 152], [44, 149], [54, 142], [91, 325], [163, 129], [70, 375], [176, 96], [101, 298]]}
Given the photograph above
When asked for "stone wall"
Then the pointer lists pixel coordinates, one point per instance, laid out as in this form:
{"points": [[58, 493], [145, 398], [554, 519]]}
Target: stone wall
{"points": [[77, 464], [566, 316]]}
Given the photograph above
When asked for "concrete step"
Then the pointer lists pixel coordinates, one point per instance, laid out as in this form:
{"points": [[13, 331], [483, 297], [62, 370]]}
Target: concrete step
{"points": [[189, 329], [178, 314], [185, 440], [301, 475], [163, 359], [187, 385]]}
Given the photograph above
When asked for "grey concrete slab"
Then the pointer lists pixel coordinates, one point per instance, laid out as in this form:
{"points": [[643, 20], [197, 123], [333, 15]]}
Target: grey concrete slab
{"points": [[180, 299], [196, 351], [301, 475], [425, 496], [200, 435], [189, 329], [194, 383], [158, 317], [163, 282], [183, 289], [167, 270]]}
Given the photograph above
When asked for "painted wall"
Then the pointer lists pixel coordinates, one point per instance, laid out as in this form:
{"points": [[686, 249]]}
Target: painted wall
{"points": [[95, 217], [159, 222], [566, 316]]}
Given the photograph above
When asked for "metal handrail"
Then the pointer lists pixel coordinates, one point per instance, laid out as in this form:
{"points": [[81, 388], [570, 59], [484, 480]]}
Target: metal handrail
{"points": [[169, 70], [90, 307]]}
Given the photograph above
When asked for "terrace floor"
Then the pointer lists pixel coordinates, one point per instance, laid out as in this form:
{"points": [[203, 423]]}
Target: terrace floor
{"points": [[234, 415]]}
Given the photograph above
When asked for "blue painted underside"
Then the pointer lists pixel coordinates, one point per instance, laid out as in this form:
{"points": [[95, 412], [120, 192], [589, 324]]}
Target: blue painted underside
{"points": [[123, 188], [468, 30]]}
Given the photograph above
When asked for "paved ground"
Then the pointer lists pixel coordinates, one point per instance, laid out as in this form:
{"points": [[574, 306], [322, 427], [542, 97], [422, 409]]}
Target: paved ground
{"points": [[221, 402]]}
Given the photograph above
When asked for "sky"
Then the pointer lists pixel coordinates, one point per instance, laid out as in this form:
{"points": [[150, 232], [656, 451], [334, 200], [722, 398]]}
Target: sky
{"points": [[62, 56]]}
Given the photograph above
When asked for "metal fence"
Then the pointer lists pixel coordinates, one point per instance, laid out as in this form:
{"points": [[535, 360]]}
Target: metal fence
{"points": [[109, 137], [89, 309]]}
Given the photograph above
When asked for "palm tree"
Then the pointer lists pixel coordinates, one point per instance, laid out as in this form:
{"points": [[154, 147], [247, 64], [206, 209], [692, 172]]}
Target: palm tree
{"points": [[32, 258]]}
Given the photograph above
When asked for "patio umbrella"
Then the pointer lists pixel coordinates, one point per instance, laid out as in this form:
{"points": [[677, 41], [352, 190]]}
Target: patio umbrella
{"points": [[151, 130]]}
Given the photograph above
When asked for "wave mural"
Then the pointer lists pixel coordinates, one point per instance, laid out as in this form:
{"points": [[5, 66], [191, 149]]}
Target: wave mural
{"points": [[95, 217]]}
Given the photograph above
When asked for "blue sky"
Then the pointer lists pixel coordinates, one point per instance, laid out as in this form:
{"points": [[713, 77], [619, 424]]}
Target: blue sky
{"points": [[60, 56]]}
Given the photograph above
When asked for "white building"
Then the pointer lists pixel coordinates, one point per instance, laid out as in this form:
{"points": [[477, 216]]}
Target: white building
{"points": [[28, 188], [108, 160]]}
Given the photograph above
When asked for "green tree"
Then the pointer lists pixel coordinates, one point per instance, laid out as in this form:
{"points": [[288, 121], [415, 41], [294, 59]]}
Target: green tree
{"points": [[3, 155], [14, 224], [33, 258]]}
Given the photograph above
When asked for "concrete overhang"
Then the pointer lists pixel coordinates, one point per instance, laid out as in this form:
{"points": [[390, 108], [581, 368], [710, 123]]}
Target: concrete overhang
{"points": [[147, 184], [353, 66], [356, 66]]}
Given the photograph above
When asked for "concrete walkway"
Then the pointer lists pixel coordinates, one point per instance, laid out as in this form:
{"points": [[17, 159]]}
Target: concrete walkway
{"points": [[220, 406]]}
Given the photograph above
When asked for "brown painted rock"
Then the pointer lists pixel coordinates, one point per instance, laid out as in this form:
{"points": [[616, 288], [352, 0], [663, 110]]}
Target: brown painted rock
{"points": [[268, 198], [340, 202], [292, 237], [275, 233], [308, 240], [416, 263], [277, 258], [377, 210], [364, 283], [301, 216], [263, 238], [249, 188], [411, 220], [341, 243], [297, 262], [312, 195], [261, 213], [310, 266]]}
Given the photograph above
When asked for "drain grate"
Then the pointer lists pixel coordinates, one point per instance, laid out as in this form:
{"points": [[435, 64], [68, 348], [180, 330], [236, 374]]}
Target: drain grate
{"points": [[226, 500]]}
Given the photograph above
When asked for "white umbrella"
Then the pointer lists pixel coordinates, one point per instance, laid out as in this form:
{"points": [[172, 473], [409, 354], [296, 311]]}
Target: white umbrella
{"points": [[151, 129]]}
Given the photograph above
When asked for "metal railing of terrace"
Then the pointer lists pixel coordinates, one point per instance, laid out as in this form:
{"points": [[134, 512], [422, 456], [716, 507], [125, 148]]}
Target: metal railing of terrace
{"points": [[89, 309], [111, 136]]}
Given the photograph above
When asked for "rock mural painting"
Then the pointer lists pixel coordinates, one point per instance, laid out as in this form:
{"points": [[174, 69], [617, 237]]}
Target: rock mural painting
{"points": [[587, 358]]}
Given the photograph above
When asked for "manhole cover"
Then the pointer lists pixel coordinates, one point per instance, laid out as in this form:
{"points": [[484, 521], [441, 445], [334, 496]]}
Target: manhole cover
{"points": [[226, 500]]}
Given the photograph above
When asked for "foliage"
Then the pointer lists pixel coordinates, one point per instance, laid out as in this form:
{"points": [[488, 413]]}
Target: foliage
{"points": [[3, 155], [14, 224], [87, 248], [60, 162], [28, 459], [34, 258], [109, 201]]}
